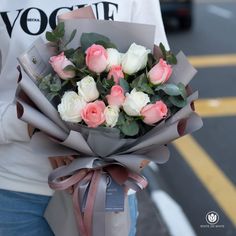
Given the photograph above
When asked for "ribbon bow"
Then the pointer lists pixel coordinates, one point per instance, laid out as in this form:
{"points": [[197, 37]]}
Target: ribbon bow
{"points": [[90, 185]]}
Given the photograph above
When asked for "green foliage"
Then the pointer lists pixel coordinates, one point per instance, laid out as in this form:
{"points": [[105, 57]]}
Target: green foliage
{"points": [[141, 83], [173, 95], [78, 58], [70, 68], [125, 85], [169, 89], [56, 38], [173, 89], [88, 39], [151, 61], [71, 37], [127, 125], [56, 34], [104, 86], [155, 98], [106, 44], [168, 55], [51, 86], [178, 101], [182, 89], [130, 128], [69, 52]]}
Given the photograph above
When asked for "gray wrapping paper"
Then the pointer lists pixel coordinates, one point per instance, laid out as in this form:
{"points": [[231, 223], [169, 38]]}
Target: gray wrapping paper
{"points": [[113, 30], [41, 102], [183, 65], [61, 218]]}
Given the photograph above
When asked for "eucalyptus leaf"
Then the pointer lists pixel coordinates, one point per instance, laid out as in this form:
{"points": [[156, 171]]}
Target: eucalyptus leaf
{"points": [[130, 128], [170, 89], [59, 30], [151, 61], [78, 59], [171, 59], [70, 68], [106, 44], [121, 119], [69, 52], [163, 50], [139, 81], [71, 37], [147, 89], [51, 37], [51, 96], [182, 90], [43, 86], [55, 87], [88, 39], [178, 101], [108, 83], [124, 84], [100, 87], [155, 98]]}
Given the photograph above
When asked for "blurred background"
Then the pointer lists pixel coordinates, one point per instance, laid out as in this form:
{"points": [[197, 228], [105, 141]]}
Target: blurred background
{"points": [[194, 192]]}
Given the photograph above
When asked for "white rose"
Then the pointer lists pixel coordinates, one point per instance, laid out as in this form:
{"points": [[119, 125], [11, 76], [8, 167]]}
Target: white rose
{"points": [[134, 102], [71, 106], [135, 59], [87, 89], [111, 115], [114, 58]]}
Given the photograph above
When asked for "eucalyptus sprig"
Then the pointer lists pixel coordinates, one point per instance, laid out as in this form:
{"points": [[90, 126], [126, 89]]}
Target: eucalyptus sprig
{"points": [[168, 55], [56, 37]]}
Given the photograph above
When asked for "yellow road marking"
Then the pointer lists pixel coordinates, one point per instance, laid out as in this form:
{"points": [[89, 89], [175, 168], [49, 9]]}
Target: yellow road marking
{"points": [[216, 107], [212, 177], [213, 60]]}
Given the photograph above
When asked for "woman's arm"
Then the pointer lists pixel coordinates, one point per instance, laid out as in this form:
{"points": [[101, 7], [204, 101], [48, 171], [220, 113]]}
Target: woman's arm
{"points": [[149, 12], [11, 128]]}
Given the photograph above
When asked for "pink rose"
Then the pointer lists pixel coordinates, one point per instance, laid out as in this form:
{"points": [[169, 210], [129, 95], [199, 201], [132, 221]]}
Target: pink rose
{"points": [[117, 73], [153, 113], [160, 73], [96, 58], [59, 63], [116, 97], [93, 114]]}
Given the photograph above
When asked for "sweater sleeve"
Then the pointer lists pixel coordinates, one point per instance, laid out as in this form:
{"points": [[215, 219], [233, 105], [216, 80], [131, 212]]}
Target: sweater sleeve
{"points": [[11, 128], [149, 12]]}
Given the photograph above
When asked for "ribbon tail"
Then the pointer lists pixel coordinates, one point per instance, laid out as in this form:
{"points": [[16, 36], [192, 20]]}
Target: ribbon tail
{"points": [[89, 207]]}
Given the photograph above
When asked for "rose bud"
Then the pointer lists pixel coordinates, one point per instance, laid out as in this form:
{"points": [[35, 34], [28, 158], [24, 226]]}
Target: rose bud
{"points": [[111, 115], [71, 106], [135, 59], [87, 89], [116, 97], [96, 58], [153, 113], [160, 73], [93, 114], [117, 73], [59, 63], [134, 102]]}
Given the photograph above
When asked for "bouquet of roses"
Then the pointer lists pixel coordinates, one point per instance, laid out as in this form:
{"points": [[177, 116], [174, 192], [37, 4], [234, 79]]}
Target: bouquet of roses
{"points": [[113, 102], [96, 85]]}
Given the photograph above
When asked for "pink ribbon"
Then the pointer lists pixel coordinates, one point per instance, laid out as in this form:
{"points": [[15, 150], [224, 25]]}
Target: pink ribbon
{"points": [[84, 218]]}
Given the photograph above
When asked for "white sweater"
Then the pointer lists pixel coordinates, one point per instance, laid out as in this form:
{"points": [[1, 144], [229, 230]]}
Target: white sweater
{"points": [[21, 22]]}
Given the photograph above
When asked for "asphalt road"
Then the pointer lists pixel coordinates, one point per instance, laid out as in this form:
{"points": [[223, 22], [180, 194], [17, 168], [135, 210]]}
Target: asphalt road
{"points": [[213, 33]]}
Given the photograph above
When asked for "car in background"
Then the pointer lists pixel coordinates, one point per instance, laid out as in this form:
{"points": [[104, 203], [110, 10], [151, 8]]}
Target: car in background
{"points": [[177, 11]]}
